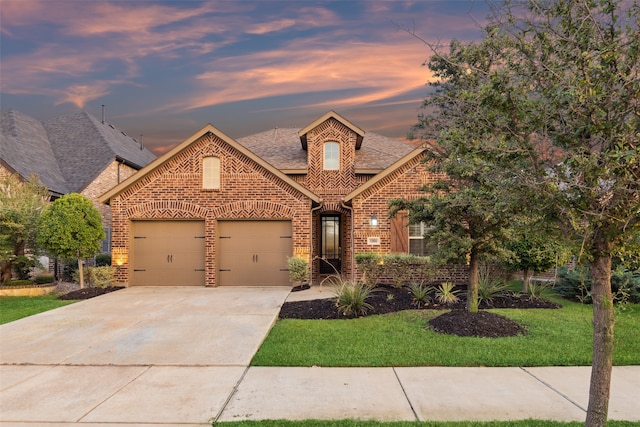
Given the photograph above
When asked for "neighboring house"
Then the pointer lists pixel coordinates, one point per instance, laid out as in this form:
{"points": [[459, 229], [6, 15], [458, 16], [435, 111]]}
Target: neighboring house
{"points": [[71, 154], [217, 211]]}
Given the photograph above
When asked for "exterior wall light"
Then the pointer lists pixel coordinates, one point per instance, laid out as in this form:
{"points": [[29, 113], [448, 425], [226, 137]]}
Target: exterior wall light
{"points": [[373, 220]]}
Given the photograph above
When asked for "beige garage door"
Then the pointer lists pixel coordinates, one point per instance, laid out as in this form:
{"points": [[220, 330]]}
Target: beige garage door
{"points": [[253, 253], [168, 253]]}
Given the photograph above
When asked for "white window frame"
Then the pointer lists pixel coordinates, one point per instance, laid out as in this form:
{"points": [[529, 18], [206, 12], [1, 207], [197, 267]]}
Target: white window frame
{"points": [[211, 173], [331, 156], [418, 234]]}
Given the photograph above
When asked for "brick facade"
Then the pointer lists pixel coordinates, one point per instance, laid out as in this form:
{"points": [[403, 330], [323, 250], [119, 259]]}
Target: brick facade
{"points": [[171, 188]]}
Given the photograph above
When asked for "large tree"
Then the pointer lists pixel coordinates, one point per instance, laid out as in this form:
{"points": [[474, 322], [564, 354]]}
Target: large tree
{"points": [[561, 102], [72, 228], [21, 203]]}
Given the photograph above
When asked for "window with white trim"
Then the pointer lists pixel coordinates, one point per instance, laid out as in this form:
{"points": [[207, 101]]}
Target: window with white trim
{"points": [[331, 155], [418, 244], [211, 173]]}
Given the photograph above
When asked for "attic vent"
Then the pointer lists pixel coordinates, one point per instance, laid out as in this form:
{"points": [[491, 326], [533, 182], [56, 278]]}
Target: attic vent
{"points": [[123, 133], [111, 126]]}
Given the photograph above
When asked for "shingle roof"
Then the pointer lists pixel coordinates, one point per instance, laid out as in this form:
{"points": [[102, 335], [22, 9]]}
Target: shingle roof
{"points": [[68, 152], [281, 148], [25, 147]]}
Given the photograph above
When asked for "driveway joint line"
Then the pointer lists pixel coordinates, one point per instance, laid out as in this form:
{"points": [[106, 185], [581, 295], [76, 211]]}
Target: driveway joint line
{"points": [[555, 390], [415, 414], [79, 420], [233, 393]]}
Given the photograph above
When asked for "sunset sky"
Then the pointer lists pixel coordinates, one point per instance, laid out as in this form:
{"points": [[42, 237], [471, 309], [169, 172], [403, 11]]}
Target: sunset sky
{"points": [[166, 68]]}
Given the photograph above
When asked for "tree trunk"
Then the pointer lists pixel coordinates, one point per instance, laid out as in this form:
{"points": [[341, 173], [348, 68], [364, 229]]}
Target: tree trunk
{"points": [[80, 272], [525, 280], [472, 290], [5, 271], [603, 323]]}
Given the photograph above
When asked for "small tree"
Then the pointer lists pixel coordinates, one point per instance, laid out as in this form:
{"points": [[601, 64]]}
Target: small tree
{"points": [[72, 227], [21, 204]]}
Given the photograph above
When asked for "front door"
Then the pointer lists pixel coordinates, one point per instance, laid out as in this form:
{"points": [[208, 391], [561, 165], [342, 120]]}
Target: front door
{"points": [[330, 244]]}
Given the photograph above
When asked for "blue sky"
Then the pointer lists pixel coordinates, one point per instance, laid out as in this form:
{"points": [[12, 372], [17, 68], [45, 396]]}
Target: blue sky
{"points": [[166, 68]]}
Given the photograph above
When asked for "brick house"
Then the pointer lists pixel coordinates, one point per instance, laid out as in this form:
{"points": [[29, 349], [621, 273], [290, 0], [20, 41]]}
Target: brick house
{"points": [[70, 154], [217, 211]]}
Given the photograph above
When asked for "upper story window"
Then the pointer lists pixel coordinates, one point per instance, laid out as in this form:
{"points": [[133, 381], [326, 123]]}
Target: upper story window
{"points": [[211, 173], [331, 156]]}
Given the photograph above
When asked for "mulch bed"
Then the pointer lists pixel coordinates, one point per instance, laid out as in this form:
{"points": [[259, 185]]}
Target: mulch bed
{"points": [[459, 321], [87, 293]]}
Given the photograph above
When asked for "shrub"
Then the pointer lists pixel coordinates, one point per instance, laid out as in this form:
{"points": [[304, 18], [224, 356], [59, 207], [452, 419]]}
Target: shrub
{"points": [[446, 294], [420, 293], [370, 264], [103, 260], [403, 267], [539, 288], [298, 269], [351, 297], [98, 277], [44, 278], [490, 286], [576, 285], [18, 282]]}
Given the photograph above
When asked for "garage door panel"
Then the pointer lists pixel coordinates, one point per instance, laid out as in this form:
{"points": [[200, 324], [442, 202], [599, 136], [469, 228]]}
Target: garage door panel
{"points": [[254, 253], [168, 253]]}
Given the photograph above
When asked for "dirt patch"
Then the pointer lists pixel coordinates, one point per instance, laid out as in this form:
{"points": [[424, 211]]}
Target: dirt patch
{"points": [[388, 299], [87, 293]]}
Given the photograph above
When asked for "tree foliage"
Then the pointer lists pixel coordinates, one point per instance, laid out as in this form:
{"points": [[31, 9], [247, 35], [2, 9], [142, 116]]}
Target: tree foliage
{"points": [[72, 228], [21, 204], [550, 99]]}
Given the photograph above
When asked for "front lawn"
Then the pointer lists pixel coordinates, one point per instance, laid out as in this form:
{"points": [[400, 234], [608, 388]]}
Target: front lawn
{"points": [[556, 337], [14, 308]]}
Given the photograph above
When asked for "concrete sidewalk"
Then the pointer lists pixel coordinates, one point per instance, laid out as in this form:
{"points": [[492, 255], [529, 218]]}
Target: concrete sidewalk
{"points": [[180, 356]]}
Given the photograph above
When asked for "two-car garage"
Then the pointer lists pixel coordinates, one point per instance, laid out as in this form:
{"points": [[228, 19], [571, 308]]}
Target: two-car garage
{"points": [[173, 253]]}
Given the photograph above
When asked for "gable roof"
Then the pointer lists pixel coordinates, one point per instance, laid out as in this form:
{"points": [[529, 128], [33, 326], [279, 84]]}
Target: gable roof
{"points": [[67, 153], [302, 133], [85, 146], [25, 147], [281, 148], [382, 175], [209, 128]]}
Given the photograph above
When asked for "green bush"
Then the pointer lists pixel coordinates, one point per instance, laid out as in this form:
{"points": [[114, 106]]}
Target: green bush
{"points": [[103, 260], [576, 285], [298, 269], [420, 293], [351, 297], [18, 282], [370, 264], [97, 277], [404, 268], [44, 278], [446, 294], [491, 284]]}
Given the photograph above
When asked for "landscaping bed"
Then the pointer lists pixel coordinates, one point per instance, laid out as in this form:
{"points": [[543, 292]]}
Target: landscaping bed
{"points": [[87, 293], [388, 299]]}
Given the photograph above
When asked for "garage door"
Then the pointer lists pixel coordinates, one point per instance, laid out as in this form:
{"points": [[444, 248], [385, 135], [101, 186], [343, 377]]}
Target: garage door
{"points": [[254, 253], [168, 253]]}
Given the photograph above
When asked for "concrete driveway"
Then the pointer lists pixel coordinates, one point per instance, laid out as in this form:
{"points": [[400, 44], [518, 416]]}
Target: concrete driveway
{"points": [[154, 355]]}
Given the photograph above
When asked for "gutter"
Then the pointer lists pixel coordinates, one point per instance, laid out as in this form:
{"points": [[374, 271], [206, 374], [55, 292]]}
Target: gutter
{"points": [[313, 210]]}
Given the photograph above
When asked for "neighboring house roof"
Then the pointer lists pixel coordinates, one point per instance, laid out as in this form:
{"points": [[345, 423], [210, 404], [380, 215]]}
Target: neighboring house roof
{"points": [[25, 147], [209, 128], [281, 148], [67, 153]]}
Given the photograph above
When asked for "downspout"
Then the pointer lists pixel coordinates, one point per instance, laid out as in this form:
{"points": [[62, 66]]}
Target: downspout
{"points": [[313, 210], [353, 255]]}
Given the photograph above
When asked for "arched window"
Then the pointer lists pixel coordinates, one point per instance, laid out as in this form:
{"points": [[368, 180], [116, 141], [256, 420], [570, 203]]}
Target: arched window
{"points": [[331, 155], [211, 173]]}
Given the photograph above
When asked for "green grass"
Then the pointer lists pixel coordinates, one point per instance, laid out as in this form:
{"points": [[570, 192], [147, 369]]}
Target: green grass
{"points": [[560, 337], [14, 308], [355, 423]]}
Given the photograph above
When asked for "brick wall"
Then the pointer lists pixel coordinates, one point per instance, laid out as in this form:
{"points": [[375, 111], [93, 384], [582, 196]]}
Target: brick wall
{"points": [[174, 191]]}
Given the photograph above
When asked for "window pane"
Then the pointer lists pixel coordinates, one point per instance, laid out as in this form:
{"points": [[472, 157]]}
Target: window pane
{"points": [[211, 172], [331, 156]]}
